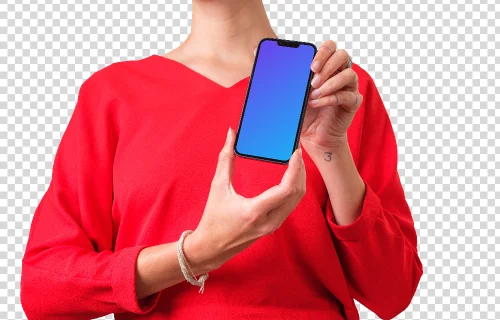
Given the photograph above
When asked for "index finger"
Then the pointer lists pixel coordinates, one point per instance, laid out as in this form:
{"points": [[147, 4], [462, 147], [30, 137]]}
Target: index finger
{"points": [[293, 178], [324, 52]]}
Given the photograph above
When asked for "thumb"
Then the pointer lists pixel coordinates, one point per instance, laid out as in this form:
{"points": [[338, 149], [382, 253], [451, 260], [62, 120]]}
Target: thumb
{"points": [[225, 165], [254, 51]]}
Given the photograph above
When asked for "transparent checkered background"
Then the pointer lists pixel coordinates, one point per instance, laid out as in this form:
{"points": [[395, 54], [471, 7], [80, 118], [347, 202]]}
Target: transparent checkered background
{"points": [[434, 64]]}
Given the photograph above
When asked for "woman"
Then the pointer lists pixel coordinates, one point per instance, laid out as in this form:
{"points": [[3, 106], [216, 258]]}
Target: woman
{"points": [[143, 161]]}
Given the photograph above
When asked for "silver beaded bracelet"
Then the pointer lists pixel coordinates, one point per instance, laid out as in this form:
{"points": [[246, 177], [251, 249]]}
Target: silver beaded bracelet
{"points": [[186, 270]]}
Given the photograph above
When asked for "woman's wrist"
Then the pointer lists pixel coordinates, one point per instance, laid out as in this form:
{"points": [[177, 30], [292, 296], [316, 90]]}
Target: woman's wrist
{"points": [[197, 255], [338, 147]]}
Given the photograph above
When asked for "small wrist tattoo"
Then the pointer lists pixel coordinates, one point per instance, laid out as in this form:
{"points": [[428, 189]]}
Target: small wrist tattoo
{"points": [[328, 156]]}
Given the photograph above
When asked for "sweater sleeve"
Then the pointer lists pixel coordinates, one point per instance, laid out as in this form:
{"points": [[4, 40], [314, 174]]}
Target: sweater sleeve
{"points": [[70, 268], [378, 251]]}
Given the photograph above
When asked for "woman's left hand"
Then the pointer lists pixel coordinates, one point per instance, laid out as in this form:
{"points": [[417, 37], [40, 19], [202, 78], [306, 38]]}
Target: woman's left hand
{"points": [[333, 101]]}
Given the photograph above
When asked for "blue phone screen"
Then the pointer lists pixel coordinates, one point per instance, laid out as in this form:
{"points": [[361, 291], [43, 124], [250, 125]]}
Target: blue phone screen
{"points": [[274, 102]]}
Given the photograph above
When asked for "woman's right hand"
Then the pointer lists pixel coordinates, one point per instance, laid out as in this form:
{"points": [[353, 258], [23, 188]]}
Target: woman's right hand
{"points": [[231, 222]]}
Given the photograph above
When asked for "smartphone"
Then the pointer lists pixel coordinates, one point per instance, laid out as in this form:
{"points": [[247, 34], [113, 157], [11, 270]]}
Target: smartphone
{"points": [[276, 100]]}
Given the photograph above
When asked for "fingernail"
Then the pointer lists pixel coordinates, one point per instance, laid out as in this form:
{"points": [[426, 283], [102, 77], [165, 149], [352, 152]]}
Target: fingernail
{"points": [[313, 102], [228, 134], [300, 152], [315, 66], [315, 93], [315, 80]]}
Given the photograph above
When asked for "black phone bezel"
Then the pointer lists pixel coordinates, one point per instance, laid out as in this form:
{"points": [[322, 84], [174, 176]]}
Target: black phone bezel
{"points": [[289, 43]]}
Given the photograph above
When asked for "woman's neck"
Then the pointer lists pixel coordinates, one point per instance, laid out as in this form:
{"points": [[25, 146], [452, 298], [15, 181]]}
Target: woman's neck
{"points": [[227, 30]]}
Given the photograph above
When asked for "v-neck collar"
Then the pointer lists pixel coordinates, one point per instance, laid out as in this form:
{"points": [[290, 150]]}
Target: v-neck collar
{"points": [[199, 75]]}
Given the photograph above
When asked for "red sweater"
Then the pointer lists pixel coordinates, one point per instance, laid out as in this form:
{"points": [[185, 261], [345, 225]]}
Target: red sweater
{"points": [[134, 168]]}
